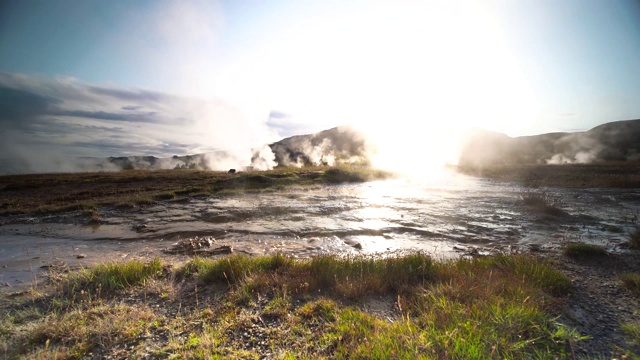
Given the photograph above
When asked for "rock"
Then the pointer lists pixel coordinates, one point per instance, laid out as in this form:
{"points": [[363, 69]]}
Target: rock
{"points": [[232, 171], [197, 246], [81, 256], [354, 244]]}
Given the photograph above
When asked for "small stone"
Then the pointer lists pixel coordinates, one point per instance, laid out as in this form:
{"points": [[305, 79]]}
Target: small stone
{"points": [[81, 256]]}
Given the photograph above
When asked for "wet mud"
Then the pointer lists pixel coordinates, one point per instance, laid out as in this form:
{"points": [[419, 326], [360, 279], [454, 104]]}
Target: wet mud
{"points": [[453, 216]]}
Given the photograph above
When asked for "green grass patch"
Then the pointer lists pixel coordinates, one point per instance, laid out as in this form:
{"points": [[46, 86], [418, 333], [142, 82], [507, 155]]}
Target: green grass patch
{"points": [[631, 282], [582, 250], [112, 276], [279, 307], [346, 174], [632, 329]]}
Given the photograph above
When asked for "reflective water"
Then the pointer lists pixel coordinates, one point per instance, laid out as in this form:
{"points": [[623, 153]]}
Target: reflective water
{"points": [[452, 216]]}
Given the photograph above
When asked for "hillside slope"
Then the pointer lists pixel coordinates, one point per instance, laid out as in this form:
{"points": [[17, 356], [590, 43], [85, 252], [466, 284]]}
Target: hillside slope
{"points": [[614, 141]]}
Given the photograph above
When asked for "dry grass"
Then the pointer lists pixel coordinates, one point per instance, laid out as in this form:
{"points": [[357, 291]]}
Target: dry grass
{"points": [[42, 193], [278, 307], [597, 175], [631, 282]]}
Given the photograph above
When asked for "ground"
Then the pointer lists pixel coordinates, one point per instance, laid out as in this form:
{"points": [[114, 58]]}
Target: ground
{"points": [[598, 306]]}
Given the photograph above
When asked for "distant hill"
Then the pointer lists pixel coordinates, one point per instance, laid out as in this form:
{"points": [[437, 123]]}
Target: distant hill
{"points": [[339, 145], [614, 141]]}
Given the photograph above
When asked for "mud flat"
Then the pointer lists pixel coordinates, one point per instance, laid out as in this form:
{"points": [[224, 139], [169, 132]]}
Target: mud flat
{"points": [[302, 213], [64, 222], [55, 226]]}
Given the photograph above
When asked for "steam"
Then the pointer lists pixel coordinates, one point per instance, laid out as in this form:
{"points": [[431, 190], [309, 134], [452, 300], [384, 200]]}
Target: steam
{"points": [[340, 145], [582, 157], [263, 159], [615, 141], [62, 125]]}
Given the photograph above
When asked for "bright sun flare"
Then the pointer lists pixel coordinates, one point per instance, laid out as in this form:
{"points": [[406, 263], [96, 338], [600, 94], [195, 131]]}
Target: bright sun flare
{"points": [[435, 70]]}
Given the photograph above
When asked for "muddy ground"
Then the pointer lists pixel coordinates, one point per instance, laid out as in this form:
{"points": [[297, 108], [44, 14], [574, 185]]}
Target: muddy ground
{"points": [[80, 203]]}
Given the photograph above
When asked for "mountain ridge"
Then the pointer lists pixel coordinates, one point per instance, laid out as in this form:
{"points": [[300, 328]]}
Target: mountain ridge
{"points": [[612, 141]]}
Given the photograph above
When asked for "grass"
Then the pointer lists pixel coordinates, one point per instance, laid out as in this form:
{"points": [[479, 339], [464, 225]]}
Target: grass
{"points": [[279, 307], [112, 276], [634, 240], [43, 193], [582, 250], [631, 282], [596, 175], [632, 329]]}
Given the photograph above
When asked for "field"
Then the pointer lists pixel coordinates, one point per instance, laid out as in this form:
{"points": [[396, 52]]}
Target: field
{"points": [[596, 175], [42, 193]]}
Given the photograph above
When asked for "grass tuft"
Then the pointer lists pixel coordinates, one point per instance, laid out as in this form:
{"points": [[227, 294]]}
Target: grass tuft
{"points": [[631, 282], [634, 240], [632, 329], [582, 250], [346, 174], [113, 276]]}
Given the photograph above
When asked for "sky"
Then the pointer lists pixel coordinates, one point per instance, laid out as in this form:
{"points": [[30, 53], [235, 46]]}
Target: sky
{"points": [[117, 78]]}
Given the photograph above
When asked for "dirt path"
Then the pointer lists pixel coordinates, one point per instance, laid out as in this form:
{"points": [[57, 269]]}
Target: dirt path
{"points": [[599, 302]]}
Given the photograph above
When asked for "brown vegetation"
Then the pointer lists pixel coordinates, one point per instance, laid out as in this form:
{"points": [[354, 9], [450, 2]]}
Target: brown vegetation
{"points": [[129, 189], [598, 175]]}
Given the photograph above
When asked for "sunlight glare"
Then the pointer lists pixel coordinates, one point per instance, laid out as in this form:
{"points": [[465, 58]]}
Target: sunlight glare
{"points": [[413, 75]]}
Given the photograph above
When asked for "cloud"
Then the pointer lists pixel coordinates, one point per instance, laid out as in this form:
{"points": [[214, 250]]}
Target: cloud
{"points": [[131, 107], [18, 107], [103, 115], [285, 125], [136, 95], [44, 120]]}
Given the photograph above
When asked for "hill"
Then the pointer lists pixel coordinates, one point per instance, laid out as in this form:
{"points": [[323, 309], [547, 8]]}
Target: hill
{"points": [[614, 141], [339, 145]]}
